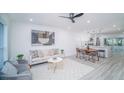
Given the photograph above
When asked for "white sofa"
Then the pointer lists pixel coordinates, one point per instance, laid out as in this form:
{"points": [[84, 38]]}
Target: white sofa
{"points": [[41, 56]]}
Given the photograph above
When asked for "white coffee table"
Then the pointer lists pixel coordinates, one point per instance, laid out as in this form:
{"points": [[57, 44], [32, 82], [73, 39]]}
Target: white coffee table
{"points": [[55, 61]]}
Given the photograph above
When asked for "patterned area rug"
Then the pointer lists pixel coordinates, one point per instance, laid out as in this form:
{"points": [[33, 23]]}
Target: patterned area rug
{"points": [[71, 70]]}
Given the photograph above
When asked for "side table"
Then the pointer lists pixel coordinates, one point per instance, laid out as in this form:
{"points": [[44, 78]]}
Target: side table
{"points": [[54, 62], [23, 62]]}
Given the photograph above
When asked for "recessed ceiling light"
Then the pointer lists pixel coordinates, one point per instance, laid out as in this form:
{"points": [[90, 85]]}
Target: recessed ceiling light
{"points": [[114, 25], [88, 21], [30, 19]]}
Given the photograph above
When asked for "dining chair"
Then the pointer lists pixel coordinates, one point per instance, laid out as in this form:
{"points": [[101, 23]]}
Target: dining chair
{"points": [[94, 56], [78, 53], [86, 55], [83, 53]]}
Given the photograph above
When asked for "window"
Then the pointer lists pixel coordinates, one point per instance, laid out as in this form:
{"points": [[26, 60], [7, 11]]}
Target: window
{"points": [[114, 41], [1, 43]]}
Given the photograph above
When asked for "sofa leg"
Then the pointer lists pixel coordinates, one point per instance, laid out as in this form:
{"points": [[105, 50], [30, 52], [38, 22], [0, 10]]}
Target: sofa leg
{"points": [[29, 66]]}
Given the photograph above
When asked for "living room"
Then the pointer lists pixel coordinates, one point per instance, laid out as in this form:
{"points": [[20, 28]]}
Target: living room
{"points": [[95, 31]]}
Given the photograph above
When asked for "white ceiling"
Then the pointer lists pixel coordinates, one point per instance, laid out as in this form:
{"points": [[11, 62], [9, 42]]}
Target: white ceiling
{"points": [[99, 22]]}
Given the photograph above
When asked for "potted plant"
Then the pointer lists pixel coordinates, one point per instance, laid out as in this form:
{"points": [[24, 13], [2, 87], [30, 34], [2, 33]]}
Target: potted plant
{"points": [[62, 51], [20, 56]]}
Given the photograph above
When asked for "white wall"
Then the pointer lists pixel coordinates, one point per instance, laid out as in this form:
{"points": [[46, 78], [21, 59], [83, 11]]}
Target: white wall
{"points": [[112, 35], [81, 38], [20, 39]]}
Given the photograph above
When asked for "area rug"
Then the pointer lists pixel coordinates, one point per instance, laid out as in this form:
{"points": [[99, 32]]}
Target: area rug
{"points": [[71, 70]]}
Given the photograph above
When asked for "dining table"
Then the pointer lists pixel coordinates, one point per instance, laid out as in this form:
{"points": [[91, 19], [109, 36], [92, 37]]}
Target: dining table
{"points": [[90, 52]]}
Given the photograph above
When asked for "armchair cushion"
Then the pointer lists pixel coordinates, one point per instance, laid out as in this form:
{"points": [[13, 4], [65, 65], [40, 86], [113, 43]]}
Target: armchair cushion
{"points": [[15, 72], [8, 68]]}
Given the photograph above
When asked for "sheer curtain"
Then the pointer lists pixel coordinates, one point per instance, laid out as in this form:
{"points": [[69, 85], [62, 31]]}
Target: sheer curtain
{"points": [[1, 44]]}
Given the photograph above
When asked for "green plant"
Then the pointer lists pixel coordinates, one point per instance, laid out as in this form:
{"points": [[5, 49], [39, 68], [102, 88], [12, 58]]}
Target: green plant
{"points": [[62, 51], [20, 56]]}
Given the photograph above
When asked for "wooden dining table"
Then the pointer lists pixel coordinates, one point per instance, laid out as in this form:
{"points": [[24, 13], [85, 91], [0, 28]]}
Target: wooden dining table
{"points": [[90, 52]]}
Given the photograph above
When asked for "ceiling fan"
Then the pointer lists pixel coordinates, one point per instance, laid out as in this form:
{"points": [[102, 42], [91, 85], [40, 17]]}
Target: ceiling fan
{"points": [[72, 16]]}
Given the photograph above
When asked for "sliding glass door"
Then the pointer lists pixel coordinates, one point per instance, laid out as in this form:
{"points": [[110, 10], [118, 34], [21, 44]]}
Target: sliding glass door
{"points": [[1, 44]]}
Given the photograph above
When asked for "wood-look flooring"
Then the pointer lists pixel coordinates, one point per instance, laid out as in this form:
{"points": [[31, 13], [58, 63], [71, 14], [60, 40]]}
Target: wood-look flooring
{"points": [[112, 69]]}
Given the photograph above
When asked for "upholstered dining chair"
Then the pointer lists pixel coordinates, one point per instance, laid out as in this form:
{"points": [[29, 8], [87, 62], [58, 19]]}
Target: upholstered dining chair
{"points": [[87, 56], [78, 53], [94, 56], [83, 53]]}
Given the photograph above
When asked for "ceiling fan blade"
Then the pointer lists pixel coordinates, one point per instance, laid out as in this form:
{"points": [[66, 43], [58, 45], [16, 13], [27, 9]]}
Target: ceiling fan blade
{"points": [[78, 15], [73, 21], [64, 17]]}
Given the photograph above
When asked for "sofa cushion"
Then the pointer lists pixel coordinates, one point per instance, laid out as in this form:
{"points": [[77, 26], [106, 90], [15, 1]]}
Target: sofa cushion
{"points": [[56, 51], [8, 68], [1, 73], [40, 53], [39, 59], [45, 52], [50, 52]]}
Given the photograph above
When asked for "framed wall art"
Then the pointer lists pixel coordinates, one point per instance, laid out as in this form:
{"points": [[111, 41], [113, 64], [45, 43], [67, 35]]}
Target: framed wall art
{"points": [[42, 37]]}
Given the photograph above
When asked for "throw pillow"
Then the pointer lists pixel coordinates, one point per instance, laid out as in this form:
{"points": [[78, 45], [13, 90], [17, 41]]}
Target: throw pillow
{"points": [[40, 53], [8, 69], [56, 51], [50, 52], [34, 54]]}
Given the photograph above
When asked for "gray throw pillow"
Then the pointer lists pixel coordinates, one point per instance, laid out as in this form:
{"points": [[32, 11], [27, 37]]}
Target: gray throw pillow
{"points": [[34, 54], [9, 69]]}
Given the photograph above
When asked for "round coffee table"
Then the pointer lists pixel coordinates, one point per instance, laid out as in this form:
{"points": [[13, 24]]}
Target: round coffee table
{"points": [[55, 61]]}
